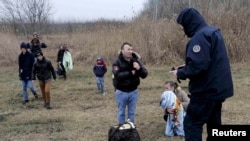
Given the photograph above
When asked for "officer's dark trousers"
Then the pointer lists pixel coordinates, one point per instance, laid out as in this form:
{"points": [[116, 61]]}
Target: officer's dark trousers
{"points": [[200, 112]]}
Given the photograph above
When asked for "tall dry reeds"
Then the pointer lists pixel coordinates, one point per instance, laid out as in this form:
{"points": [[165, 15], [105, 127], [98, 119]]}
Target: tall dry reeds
{"points": [[154, 41], [158, 42], [235, 28], [9, 49]]}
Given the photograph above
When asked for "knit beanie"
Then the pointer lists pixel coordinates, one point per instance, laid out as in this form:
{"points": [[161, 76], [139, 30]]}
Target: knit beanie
{"points": [[23, 45], [39, 53]]}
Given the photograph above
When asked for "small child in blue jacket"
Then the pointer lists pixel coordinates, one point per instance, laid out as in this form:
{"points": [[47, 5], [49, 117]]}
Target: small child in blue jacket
{"points": [[99, 70], [174, 111]]}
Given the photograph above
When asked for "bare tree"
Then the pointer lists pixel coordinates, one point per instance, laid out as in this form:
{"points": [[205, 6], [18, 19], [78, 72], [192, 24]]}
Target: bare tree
{"points": [[26, 16], [160, 9]]}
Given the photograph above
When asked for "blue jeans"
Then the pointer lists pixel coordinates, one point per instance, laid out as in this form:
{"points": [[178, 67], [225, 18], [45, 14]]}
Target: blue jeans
{"points": [[100, 84], [27, 84], [129, 100]]}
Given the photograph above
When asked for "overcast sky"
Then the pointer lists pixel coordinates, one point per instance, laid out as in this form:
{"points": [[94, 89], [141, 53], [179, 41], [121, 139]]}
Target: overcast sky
{"points": [[86, 10]]}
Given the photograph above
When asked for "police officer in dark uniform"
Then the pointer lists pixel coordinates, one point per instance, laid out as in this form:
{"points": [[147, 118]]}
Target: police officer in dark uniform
{"points": [[208, 69]]}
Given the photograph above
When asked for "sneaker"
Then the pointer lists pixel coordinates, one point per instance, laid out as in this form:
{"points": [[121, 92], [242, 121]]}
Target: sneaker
{"points": [[104, 93], [47, 106], [64, 76], [36, 96], [25, 101]]}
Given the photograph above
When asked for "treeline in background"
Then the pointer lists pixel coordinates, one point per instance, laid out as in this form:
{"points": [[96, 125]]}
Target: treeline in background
{"points": [[153, 32]]}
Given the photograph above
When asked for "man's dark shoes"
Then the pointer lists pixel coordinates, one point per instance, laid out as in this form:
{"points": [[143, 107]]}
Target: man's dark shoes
{"points": [[36, 96], [25, 101], [47, 106]]}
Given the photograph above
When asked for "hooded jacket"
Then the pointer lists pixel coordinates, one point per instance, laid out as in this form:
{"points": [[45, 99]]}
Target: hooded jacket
{"points": [[100, 68], [123, 79], [25, 63], [207, 64]]}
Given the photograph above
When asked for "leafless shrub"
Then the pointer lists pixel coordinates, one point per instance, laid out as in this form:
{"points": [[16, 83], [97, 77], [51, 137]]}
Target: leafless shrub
{"points": [[158, 41]]}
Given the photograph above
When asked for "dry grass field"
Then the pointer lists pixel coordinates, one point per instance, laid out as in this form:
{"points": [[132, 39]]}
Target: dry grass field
{"points": [[80, 114]]}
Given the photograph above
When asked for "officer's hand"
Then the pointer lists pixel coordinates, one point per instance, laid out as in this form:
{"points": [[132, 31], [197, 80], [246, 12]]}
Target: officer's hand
{"points": [[181, 66], [174, 72]]}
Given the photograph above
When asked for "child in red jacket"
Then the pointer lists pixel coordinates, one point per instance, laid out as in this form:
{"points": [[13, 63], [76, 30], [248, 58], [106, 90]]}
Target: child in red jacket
{"points": [[99, 70]]}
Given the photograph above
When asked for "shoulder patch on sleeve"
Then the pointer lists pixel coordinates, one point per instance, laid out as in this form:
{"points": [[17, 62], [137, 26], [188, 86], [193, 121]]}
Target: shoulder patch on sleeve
{"points": [[196, 48]]}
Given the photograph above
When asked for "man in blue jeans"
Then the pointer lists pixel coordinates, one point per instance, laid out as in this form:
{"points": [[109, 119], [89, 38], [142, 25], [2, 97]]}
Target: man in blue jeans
{"points": [[25, 63], [127, 71]]}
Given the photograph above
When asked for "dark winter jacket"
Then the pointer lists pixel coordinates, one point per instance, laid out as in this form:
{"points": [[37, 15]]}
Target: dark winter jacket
{"points": [[36, 48], [43, 70], [60, 55], [207, 64], [123, 79], [100, 69], [25, 63]]}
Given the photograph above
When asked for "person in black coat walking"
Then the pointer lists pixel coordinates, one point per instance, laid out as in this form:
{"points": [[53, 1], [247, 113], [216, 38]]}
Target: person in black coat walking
{"points": [[36, 45], [60, 60], [44, 71], [25, 63]]}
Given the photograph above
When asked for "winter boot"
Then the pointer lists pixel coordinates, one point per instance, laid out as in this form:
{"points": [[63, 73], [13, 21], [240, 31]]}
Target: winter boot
{"points": [[48, 106]]}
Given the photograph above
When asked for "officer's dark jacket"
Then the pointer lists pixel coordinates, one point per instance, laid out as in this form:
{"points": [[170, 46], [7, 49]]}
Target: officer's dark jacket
{"points": [[123, 79], [207, 64], [25, 63], [43, 70]]}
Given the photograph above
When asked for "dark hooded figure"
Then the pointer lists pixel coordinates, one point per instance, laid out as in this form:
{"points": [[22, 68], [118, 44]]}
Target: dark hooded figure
{"points": [[208, 69]]}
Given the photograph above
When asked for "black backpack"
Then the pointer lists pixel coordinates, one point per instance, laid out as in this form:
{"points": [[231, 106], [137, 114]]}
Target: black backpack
{"points": [[123, 132]]}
